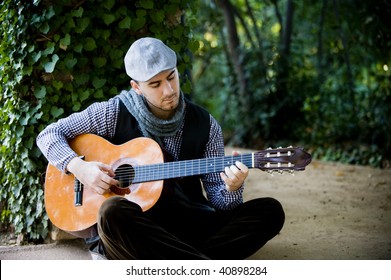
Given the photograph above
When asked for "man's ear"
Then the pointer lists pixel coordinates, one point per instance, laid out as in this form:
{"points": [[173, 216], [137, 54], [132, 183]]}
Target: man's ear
{"points": [[135, 86]]}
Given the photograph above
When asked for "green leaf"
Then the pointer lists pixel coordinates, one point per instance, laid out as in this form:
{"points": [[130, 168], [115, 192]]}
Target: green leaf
{"points": [[84, 95], [58, 85], [49, 66], [40, 92], [78, 12], [29, 220], [141, 13], [76, 106], [55, 98], [146, 4], [70, 62], [81, 79], [108, 18], [178, 32], [193, 45], [105, 34], [158, 16], [125, 23], [108, 4], [50, 12], [82, 24], [19, 131], [56, 38], [187, 86], [98, 83], [66, 41], [89, 44], [56, 112], [113, 91], [29, 143], [27, 70], [99, 61], [99, 94], [171, 9], [116, 53], [70, 24], [49, 49], [78, 47], [24, 120], [96, 33], [31, 48], [44, 28], [36, 56], [155, 28], [138, 23], [36, 117]]}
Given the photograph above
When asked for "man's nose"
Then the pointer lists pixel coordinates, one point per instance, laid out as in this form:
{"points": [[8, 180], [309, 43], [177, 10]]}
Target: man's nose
{"points": [[168, 88]]}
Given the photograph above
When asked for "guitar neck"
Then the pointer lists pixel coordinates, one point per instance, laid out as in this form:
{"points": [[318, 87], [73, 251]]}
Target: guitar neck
{"points": [[177, 169]]}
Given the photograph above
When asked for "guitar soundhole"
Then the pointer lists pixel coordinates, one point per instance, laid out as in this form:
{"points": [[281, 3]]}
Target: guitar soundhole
{"points": [[125, 175]]}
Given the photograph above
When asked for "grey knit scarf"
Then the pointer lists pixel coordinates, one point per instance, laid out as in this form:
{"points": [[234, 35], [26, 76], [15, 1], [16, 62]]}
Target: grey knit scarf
{"points": [[149, 124]]}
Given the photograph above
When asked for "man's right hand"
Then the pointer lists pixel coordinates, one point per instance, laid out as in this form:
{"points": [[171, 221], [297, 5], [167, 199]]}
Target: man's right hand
{"points": [[95, 175]]}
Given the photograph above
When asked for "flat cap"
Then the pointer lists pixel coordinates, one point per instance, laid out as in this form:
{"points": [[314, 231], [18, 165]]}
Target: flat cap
{"points": [[148, 57]]}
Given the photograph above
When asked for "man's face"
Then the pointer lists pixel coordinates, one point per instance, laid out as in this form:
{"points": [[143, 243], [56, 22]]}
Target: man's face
{"points": [[162, 93]]}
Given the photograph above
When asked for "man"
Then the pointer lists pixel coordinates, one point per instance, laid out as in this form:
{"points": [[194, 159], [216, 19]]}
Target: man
{"points": [[183, 224]]}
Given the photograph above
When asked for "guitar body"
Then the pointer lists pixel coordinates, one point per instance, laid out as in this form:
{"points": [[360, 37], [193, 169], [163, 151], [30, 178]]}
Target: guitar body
{"points": [[59, 187]]}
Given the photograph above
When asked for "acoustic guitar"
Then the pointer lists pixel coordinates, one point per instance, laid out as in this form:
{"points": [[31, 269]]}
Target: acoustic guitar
{"points": [[140, 168]]}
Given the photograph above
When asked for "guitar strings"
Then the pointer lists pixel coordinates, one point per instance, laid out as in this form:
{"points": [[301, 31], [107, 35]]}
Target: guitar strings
{"points": [[166, 170], [173, 169], [199, 165], [160, 169]]}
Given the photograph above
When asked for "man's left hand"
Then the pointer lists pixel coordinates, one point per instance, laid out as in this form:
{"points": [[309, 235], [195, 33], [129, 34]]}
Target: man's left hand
{"points": [[234, 175]]}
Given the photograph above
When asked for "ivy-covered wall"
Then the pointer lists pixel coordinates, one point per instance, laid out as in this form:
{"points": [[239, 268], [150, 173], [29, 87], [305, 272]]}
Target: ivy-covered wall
{"points": [[56, 59]]}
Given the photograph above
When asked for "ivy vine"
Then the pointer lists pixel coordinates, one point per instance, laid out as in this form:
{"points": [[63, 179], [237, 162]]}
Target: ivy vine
{"points": [[57, 59]]}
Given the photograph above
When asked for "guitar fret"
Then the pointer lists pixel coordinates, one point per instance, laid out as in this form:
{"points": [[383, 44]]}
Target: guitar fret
{"points": [[178, 169]]}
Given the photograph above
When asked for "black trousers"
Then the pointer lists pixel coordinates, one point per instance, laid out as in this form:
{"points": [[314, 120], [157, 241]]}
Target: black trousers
{"points": [[170, 230]]}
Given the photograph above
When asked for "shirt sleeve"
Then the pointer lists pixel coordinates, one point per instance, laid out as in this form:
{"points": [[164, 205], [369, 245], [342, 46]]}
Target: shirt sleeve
{"points": [[214, 186], [99, 118]]}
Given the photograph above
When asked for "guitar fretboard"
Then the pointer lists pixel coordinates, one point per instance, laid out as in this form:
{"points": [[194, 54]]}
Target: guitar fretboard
{"points": [[177, 169]]}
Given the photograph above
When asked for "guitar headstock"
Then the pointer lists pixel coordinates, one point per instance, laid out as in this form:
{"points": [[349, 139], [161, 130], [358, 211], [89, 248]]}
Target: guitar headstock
{"points": [[282, 159]]}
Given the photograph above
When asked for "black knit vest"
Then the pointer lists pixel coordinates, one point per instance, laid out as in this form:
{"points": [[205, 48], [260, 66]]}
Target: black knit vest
{"points": [[194, 139]]}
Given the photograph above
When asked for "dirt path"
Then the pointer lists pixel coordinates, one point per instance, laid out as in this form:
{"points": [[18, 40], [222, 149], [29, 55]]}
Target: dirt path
{"points": [[333, 211]]}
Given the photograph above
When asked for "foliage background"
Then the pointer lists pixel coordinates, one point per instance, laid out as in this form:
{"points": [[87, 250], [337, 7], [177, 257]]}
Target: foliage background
{"points": [[272, 72], [315, 73]]}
